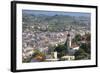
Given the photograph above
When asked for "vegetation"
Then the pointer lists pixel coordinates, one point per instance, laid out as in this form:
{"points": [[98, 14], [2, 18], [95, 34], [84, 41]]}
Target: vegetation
{"points": [[84, 51], [81, 55], [37, 55], [62, 50], [49, 26], [53, 23]]}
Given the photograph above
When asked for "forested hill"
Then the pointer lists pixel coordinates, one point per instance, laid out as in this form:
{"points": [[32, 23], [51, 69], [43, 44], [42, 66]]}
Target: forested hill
{"points": [[55, 22]]}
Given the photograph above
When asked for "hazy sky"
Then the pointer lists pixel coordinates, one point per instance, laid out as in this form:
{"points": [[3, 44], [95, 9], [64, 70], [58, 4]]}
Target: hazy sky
{"points": [[51, 13]]}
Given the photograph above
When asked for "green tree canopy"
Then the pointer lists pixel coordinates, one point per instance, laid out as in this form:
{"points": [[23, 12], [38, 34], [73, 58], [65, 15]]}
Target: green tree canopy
{"points": [[81, 54], [61, 49]]}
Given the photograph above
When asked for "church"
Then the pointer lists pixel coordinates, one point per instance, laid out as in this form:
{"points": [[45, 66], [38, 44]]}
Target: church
{"points": [[71, 48]]}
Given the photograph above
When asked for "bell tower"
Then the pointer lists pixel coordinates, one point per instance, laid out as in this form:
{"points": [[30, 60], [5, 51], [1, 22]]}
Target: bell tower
{"points": [[68, 40]]}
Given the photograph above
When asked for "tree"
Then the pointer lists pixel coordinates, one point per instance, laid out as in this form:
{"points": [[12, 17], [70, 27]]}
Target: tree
{"points": [[86, 47], [88, 37], [61, 49], [78, 37], [81, 55]]}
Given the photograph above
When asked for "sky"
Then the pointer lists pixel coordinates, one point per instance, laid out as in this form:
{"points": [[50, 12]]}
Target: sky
{"points": [[51, 13]]}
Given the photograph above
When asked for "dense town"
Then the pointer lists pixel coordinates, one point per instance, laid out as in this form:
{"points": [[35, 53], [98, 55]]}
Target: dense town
{"points": [[41, 41]]}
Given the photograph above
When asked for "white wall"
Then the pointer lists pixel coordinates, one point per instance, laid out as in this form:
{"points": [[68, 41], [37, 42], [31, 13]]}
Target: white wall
{"points": [[5, 37]]}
